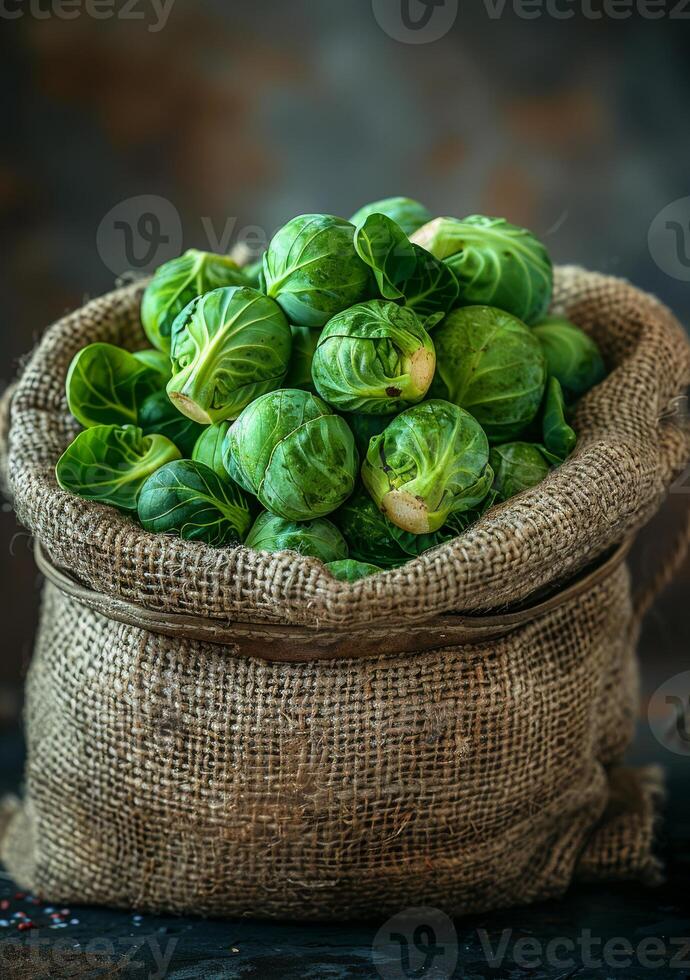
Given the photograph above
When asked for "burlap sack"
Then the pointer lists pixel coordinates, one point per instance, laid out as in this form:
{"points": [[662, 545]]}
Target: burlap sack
{"points": [[402, 754]]}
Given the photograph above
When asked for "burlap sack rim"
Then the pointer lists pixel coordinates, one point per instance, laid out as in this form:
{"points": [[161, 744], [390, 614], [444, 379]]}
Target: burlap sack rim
{"points": [[549, 527]]}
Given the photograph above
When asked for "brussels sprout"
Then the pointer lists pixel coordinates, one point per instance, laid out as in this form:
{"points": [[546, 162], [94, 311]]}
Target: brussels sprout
{"points": [[312, 270], [559, 438], [489, 363], [496, 263], [209, 448], [291, 451], [106, 384], [571, 356], [157, 361], [110, 463], [176, 283], [406, 272], [368, 532], [158, 415], [318, 538], [365, 427], [409, 214], [304, 341], [186, 498], [228, 347], [375, 358], [517, 466], [349, 570], [430, 462]]}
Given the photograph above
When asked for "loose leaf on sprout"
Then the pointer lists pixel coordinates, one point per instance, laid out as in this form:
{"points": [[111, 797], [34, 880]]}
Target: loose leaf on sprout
{"points": [[432, 290], [106, 385], [388, 252], [404, 271], [559, 438], [186, 498], [110, 463]]}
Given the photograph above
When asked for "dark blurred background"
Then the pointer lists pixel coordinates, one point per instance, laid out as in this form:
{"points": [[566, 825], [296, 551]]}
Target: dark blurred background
{"points": [[130, 133]]}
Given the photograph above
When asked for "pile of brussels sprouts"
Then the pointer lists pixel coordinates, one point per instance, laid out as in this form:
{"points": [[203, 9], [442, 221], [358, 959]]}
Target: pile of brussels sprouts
{"points": [[364, 393]]}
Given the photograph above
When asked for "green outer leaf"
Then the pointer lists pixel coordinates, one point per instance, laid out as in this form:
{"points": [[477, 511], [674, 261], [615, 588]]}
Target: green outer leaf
{"points": [[387, 251], [433, 290], [304, 341], [407, 213], [517, 466], [105, 385], [318, 538], [350, 570], [110, 463], [437, 454], [312, 270], [496, 263], [157, 361], [294, 453], [375, 358], [559, 438], [209, 448], [176, 283], [368, 532], [489, 363], [404, 271], [158, 415], [571, 356], [186, 498], [228, 347]]}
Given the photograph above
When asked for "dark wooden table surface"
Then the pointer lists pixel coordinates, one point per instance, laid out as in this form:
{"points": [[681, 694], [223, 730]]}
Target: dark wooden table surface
{"points": [[93, 942]]}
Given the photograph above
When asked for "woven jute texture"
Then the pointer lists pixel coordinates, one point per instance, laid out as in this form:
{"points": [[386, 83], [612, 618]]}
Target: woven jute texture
{"points": [[167, 773]]}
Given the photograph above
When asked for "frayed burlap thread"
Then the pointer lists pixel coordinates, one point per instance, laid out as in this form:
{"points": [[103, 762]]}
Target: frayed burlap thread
{"points": [[166, 773]]}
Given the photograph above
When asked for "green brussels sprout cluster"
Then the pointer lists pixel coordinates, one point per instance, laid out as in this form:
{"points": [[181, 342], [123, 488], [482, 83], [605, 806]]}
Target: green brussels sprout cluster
{"points": [[363, 393]]}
